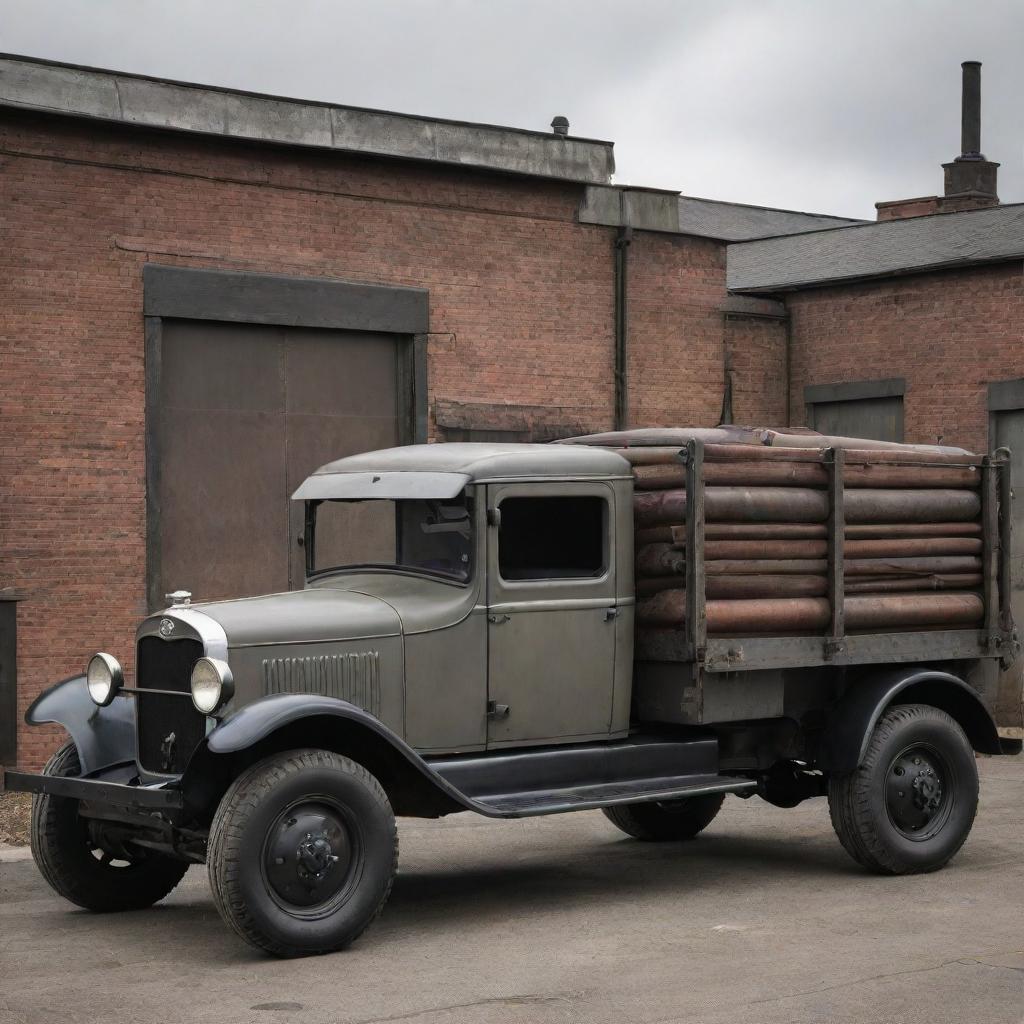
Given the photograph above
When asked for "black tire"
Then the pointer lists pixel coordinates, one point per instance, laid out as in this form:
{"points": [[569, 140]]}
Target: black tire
{"points": [[667, 821], [78, 869], [910, 806], [277, 840]]}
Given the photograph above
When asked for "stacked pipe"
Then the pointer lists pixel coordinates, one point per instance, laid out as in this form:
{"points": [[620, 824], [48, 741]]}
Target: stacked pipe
{"points": [[912, 554]]}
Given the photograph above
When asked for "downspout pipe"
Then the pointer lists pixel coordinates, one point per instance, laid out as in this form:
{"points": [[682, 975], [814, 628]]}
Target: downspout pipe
{"points": [[622, 241]]}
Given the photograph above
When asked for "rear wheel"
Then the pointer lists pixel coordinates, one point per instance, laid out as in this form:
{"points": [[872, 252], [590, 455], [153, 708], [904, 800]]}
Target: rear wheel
{"points": [[666, 820], [910, 806], [76, 863], [303, 850]]}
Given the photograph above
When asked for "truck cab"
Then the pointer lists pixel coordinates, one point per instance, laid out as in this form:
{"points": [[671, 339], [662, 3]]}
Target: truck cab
{"points": [[510, 569], [465, 641]]}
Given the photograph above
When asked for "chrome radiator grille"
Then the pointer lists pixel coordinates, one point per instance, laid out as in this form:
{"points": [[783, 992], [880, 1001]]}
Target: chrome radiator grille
{"points": [[169, 727]]}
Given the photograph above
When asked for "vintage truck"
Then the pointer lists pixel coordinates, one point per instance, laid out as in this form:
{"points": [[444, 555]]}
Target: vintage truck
{"points": [[472, 637]]}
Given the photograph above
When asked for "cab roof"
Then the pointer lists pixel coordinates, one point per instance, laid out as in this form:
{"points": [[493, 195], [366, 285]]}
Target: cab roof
{"points": [[443, 470]]}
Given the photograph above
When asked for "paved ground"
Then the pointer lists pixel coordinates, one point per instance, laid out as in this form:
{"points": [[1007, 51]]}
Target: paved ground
{"points": [[762, 920]]}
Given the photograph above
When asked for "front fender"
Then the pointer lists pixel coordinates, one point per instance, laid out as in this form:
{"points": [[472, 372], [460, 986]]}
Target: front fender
{"points": [[289, 720], [102, 736], [853, 718]]}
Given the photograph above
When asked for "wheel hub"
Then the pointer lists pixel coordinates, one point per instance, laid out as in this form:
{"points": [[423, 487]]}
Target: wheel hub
{"points": [[916, 793], [308, 855]]}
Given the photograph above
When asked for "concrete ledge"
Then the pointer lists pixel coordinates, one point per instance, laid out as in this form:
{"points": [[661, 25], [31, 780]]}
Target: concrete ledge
{"points": [[145, 102], [641, 208], [745, 305]]}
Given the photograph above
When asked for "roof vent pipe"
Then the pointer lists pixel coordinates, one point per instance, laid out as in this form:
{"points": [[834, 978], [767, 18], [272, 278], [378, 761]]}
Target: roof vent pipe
{"points": [[970, 111], [560, 125]]}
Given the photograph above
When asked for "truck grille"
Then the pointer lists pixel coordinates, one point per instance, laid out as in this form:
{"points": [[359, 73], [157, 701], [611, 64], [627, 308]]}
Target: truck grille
{"points": [[169, 727]]}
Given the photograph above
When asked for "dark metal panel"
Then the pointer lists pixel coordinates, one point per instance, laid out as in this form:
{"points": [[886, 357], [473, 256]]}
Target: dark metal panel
{"points": [[855, 390], [1006, 394], [1006, 427], [342, 397], [237, 416], [229, 295], [154, 511], [8, 677], [880, 419]]}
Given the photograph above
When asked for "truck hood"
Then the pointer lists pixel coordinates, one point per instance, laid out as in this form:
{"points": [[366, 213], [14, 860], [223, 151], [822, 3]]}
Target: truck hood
{"points": [[302, 616]]}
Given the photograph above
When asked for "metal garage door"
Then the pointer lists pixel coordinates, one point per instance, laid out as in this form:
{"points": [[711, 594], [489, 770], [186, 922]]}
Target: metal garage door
{"points": [[1007, 430], [246, 412], [872, 409], [878, 418]]}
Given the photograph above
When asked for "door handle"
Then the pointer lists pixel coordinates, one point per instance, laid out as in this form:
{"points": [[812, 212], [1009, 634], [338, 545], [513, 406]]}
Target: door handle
{"points": [[495, 710], [497, 620], [610, 614]]}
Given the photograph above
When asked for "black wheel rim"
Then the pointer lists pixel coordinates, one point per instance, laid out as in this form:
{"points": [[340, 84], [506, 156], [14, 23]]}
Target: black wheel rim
{"points": [[311, 857], [919, 792]]}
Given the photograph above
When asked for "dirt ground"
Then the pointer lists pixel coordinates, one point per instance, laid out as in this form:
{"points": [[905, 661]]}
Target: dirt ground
{"points": [[15, 810]]}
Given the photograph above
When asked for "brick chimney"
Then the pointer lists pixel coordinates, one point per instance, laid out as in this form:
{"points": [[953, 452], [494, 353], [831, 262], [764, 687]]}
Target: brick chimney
{"points": [[970, 179]]}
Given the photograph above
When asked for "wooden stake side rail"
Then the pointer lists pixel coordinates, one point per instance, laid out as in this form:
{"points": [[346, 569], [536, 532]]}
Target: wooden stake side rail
{"points": [[835, 461], [747, 653]]}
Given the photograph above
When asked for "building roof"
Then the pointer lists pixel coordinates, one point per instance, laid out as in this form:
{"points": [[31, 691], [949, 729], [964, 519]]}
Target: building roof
{"points": [[442, 470], [733, 222], [146, 102], [882, 249]]}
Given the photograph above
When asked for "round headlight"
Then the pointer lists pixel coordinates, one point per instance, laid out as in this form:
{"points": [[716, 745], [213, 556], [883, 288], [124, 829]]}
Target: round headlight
{"points": [[104, 678], [212, 685]]}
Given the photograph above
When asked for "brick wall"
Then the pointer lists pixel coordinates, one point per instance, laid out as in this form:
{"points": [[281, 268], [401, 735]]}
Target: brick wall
{"points": [[521, 312], [755, 351], [949, 334]]}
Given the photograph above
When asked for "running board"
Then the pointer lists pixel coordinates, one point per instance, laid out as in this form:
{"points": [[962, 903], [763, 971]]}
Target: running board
{"points": [[551, 780], [582, 798]]}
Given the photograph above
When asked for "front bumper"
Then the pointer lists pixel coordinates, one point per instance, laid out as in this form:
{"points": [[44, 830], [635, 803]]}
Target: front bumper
{"points": [[98, 792]]}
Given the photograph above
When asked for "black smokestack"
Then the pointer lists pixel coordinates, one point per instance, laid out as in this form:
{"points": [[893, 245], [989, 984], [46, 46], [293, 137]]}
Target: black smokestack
{"points": [[970, 111]]}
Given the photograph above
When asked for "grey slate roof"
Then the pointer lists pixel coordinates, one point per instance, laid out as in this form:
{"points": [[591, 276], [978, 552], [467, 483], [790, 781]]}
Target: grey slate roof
{"points": [[146, 102], [877, 250], [733, 222]]}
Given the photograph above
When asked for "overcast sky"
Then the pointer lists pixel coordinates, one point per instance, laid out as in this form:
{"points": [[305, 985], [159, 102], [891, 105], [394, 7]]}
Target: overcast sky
{"points": [[821, 105]]}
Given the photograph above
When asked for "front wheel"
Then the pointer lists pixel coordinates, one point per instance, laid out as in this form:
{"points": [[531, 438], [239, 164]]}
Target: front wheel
{"points": [[910, 805], [78, 863], [303, 850], [666, 820]]}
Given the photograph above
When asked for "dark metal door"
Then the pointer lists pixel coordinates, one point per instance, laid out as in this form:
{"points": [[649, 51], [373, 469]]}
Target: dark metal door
{"points": [[551, 627], [880, 419], [1008, 432], [245, 413]]}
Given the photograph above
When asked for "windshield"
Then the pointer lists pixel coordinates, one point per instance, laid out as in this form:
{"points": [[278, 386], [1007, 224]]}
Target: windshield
{"points": [[423, 535]]}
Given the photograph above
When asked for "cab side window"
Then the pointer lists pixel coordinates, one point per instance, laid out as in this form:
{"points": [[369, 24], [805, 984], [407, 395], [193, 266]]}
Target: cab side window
{"points": [[553, 538]]}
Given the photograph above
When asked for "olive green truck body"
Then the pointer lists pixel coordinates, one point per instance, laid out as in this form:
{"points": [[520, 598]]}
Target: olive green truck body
{"points": [[468, 639]]}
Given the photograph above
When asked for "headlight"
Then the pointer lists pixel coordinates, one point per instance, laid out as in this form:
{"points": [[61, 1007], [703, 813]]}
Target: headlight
{"points": [[104, 678], [212, 685]]}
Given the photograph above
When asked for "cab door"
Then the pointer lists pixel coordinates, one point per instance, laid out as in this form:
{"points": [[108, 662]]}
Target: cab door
{"points": [[551, 612]]}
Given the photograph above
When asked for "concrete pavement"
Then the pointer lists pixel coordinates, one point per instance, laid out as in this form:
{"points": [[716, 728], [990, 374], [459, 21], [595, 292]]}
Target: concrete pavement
{"points": [[762, 920]]}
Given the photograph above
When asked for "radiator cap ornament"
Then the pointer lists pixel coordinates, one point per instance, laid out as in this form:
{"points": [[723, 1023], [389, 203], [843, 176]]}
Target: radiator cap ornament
{"points": [[179, 599]]}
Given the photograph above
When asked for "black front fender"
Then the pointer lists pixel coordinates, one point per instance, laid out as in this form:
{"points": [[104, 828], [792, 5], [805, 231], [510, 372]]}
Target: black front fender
{"points": [[291, 720], [103, 736], [851, 721]]}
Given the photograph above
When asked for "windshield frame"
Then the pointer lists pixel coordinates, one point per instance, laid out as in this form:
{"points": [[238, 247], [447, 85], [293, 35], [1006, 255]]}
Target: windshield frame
{"points": [[390, 568]]}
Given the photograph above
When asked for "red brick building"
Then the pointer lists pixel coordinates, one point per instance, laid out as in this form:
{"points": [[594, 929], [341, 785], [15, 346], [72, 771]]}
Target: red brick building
{"points": [[205, 294]]}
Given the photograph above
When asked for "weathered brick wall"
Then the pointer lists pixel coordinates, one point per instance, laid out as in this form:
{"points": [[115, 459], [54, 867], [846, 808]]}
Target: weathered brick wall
{"points": [[521, 310], [949, 334], [755, 351], [675, 337]]}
